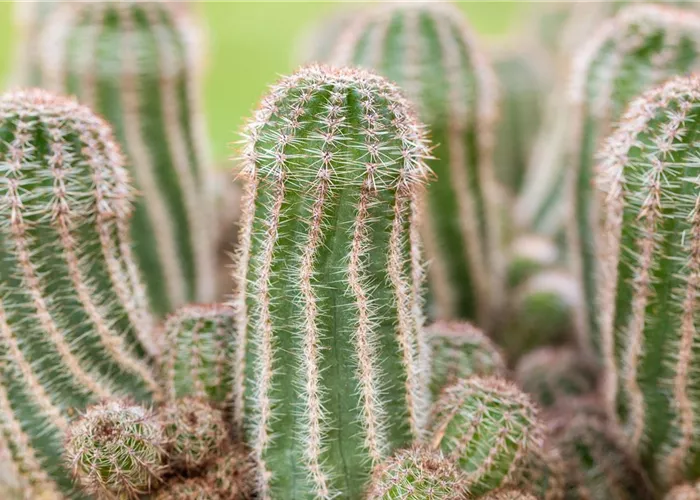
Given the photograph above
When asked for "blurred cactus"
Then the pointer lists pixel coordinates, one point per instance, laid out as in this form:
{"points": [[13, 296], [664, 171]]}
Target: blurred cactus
{"points": [[198, 357], [542, 473], [551, 375], [460, 350], [528, 255], [649, 261], [29, 22], [416, 474], [428, 49], [138, 64], [116, 450], [684, 492], [194, 431], [73, 315], [488, 427], [508, 494], [330, 273], [196, 488], [232, 476], [641, 47]]}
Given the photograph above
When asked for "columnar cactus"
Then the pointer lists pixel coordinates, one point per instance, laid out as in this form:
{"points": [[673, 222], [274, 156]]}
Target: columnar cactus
{"points": [[74, 322], [137, 64], [460, 350], [329, 275], [641, 47], [649, 255], [488, 427], [416, 474], [198, 355], [430, 52]]}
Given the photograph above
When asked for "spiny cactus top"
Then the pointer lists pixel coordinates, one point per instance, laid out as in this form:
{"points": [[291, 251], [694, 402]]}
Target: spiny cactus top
{"points": [[138, 64], [428, 49], [641, 47], [330, 273], [649, 255], [73, 313]]}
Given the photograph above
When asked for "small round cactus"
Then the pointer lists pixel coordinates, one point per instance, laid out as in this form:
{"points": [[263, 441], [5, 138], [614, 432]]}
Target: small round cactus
{"points": [[509, 494], [416, 474], [460, 350], [194, 431], [116, 449], [684, 492], [528, 255], [233, 475], [189, 489]]}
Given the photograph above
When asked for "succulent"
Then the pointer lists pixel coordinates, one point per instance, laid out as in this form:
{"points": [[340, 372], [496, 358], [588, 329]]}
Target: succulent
{"points": [[198, 355], [454, 89], [649, 256], [684, 492], [488, 427], [331, 381], [553, 374], [232, 475], [116, 450], [196, 488], [194, 431], [508, 494], [416, 474], [528, 255], [641, 47], [138, 64], [460, 350], [74, 318]]}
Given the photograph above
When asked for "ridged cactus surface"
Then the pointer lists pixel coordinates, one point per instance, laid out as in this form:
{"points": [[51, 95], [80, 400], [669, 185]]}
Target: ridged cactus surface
{"points": [[74, 321], [330, 274], [137, 64], [430, 52], [649, 257], [641, 47]]}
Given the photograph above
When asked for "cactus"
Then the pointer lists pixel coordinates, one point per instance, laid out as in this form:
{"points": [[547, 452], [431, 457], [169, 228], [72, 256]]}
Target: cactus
{"points": [[649, 256], [509, 494], [684, 492], [194, 433], [74, 322], [430, 52], [641, 47], [198, 355], [29, 20], [232, 475], [489, 428], [116, 450], [551, 375], [137, 63], [196, 488], [329, 275], [416, 474], [596, 462], [529, 254], [460, 350]]}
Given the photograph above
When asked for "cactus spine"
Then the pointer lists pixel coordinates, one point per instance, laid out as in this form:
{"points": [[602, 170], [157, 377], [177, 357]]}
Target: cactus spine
{"points": [[430, 52], [649, 256], [73, 313], [136, 64], [638, 49], [335, 379], [488, 427], [198, 358]]}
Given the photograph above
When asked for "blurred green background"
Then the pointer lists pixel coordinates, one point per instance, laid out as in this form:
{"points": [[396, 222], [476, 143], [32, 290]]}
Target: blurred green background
{"points": [[252, 43]]}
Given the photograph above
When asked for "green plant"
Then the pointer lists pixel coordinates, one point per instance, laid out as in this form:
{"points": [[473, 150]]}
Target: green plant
{"points": [[528, 255], [460, 350], [138, 64], [332, 370], [416, 474], [489, 428], [196, 488], [454, 90], [649, 257], [198, 355], [74, 321], [641, 47], [116, 450]]}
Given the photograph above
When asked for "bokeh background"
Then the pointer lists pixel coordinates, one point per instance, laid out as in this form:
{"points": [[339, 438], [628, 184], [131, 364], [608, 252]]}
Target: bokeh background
{"points": [[251, 43]]}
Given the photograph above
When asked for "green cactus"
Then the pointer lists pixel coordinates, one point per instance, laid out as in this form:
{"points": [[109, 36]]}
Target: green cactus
{"points": [[137, 64], [641, 47], [74, 321], [198, 355], [596, 462], [551, 374], [460, 350], [489, 428], [416, 474], [329, 275], [649, 257], [428, 49], [529, 254], [116, 450], [684, 492]]}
